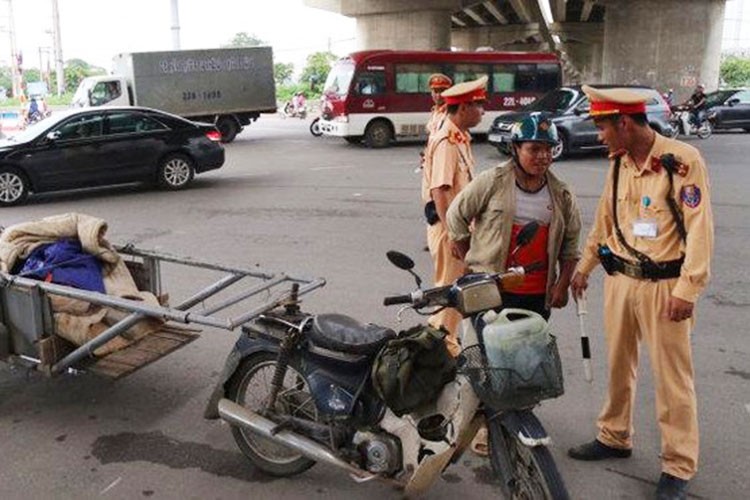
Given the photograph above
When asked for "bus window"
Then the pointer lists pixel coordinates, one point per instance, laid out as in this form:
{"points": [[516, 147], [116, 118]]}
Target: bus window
{"points": [[370, 83], [503, 78], [339, 79], [414, 78], [548, 77], [468, 72], [526, 78]]}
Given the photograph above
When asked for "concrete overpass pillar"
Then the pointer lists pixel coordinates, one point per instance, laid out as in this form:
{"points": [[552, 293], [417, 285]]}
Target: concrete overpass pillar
{"points": [[395, 24], [665, 44]]}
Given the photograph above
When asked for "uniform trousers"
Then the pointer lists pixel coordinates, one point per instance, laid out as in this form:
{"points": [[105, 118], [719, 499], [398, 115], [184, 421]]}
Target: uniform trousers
{"points": [[636, 311], [447, 270]]}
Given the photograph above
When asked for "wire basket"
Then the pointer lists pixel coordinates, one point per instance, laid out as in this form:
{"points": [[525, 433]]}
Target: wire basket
{"points": [[504, 388]]}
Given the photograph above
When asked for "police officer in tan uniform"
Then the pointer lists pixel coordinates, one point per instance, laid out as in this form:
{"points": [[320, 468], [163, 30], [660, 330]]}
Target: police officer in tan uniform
{"points": [[449, 167], [653, 234], [438, 83]]}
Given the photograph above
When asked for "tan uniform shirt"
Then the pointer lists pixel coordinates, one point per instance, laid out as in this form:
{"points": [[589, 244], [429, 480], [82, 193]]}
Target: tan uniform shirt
{"points": [[437, 116], [448, 161], [490, 203], [642, 197]]}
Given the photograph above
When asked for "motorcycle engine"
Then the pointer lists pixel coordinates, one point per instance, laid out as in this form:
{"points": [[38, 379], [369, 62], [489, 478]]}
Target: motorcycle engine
{"points": [[380, 452]]}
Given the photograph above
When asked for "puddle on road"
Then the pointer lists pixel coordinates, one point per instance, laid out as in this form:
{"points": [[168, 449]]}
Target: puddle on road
{"points": [[156, 448]]}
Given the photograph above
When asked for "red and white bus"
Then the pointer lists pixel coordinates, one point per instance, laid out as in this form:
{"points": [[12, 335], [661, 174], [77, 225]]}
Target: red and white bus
{"points": [[382, 95]]}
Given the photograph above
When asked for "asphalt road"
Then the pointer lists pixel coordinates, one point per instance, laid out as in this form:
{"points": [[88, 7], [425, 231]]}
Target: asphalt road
{"points": [[318, 207]]}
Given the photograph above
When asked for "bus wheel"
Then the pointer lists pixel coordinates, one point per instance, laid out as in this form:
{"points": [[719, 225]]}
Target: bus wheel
{"points": [[378, 134]]}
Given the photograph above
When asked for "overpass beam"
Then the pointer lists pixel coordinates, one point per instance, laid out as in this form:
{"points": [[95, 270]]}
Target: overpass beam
{"points": [[394, 24], [665, 44]]}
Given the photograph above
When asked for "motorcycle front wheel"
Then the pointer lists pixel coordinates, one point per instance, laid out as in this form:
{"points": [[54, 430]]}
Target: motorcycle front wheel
{"points": [[533, 474], [250, 387]]}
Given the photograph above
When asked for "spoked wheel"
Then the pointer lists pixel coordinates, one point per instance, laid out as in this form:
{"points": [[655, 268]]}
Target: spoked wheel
{"points": [[533, 474], [251, 387], [560, 150], [14, 188], [176, 171]]}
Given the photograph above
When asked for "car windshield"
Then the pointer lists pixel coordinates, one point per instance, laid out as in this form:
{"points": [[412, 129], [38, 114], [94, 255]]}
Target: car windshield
{"points": [[718, 97], [339, 79], [36, 129], [557, 100]]}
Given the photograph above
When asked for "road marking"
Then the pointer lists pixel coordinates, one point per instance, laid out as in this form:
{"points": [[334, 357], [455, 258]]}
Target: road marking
{"points": [[114, 483], [337, 167]]}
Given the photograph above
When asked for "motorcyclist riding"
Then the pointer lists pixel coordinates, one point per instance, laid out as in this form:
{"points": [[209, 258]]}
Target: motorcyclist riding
{"points": [[697, 104]]}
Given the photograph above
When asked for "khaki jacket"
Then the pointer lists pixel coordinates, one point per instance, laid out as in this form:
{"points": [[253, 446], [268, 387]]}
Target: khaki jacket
{"points": [[489, 201], [642, 195]]}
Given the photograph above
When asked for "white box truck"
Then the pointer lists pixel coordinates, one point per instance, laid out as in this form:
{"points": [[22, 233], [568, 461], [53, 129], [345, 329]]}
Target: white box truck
{"points": [[227, 87]]}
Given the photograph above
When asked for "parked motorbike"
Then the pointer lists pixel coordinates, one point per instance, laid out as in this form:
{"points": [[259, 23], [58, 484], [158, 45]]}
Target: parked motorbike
{"points": [[682, 124], [297, 390], [290, 111]]}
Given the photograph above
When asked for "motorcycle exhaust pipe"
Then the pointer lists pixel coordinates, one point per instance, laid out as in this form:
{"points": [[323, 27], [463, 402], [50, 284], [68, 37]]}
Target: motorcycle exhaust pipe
{"points": [[242, 417]]}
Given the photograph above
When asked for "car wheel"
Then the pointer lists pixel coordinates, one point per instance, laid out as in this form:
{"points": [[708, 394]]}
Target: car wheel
{"points": [[14, 188], [561, 149], [175, 171], [378, 134], [228, 128]]}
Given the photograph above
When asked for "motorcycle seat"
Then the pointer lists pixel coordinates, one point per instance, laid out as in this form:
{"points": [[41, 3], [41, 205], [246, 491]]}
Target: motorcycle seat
{"points": [[341, 333]]}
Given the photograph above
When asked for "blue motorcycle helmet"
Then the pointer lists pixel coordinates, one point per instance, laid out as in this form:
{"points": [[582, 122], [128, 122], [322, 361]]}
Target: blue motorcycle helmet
{"points": [[535, 127]]}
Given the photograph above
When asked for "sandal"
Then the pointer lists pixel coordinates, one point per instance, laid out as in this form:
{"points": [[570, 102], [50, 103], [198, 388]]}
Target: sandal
{"points": [[479, 444]]}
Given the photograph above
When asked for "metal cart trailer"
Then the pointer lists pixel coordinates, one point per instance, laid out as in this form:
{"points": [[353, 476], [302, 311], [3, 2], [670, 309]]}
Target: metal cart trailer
{"points": [[27, 326]]}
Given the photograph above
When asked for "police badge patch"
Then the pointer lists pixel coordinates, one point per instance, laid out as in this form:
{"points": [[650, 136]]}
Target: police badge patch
{"points": [[691, 195]]}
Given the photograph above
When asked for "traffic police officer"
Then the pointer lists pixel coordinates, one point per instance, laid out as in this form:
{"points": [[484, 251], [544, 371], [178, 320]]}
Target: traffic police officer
{"points": [[449, 167], [438, 83], [653, 234]]}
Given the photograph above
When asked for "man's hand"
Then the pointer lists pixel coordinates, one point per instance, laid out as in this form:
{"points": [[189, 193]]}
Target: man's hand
{"points": [[579, 284], [459, 249], [559, 296], [678, 309]]}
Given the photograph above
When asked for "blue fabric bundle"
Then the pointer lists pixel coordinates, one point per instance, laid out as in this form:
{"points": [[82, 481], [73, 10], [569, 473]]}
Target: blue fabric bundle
{"points": [[65, 263]]}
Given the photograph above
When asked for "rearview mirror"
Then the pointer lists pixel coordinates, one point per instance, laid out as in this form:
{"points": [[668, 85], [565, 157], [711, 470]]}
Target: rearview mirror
{"points": [[733, 101], [400, 260]]}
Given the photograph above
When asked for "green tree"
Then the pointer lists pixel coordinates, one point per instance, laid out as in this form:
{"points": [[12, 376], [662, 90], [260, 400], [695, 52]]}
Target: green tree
{"points": [[243, 39], [315, 72], [735, 71], [74, 71], [282, 73]]}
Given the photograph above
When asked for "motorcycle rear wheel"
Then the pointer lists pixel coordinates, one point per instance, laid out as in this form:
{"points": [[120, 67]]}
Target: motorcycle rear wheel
{"points": [[250, 387], [534, 475]]}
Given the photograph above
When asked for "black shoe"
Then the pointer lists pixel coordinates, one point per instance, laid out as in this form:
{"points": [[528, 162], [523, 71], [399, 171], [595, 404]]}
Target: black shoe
{"points": [[596, 450], [671, 488]]}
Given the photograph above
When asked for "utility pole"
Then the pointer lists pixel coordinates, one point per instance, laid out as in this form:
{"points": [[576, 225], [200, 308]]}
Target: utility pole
{"points": [[175, 25], [56, 40], [15, 73]]}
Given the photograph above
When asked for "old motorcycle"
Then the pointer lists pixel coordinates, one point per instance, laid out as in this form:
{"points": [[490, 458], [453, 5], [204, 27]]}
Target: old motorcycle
{"points": [[297, 389], [682, 124]]}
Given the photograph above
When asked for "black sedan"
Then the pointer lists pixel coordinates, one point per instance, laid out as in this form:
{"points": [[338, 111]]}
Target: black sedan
{"points": [[728, 109], [105, 146]]}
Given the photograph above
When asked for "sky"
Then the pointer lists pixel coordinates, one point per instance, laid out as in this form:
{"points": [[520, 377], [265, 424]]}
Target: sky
{"points": [[96, 30]]}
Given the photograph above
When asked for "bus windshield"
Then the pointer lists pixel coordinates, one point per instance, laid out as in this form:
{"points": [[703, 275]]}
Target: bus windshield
{"points": [[339, 78], [557, 100]]}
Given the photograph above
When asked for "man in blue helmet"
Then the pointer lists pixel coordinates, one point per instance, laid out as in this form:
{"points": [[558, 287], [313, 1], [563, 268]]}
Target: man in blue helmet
{"points": [[500, 201]]}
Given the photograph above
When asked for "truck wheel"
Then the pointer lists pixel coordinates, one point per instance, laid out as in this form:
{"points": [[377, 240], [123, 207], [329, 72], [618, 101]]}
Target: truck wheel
{"points": [[175, 172], [228, 127], [14, 187], [378, 134]]}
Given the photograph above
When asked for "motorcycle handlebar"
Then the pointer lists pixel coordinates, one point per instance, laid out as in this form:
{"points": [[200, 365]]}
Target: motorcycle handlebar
{"points": [[397, 299]]}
